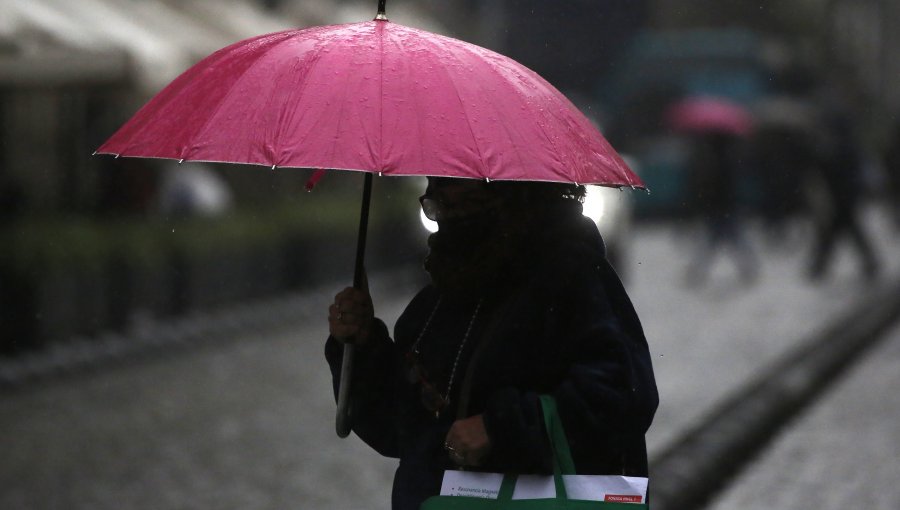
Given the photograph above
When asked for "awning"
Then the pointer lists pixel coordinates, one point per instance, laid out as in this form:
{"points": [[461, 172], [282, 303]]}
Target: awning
{"points": [[56, 67], [161, 39], [236, 18]]}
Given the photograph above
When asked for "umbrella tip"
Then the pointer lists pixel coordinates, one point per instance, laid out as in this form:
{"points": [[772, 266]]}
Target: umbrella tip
{"points": [[314, 179], [381, 16]]}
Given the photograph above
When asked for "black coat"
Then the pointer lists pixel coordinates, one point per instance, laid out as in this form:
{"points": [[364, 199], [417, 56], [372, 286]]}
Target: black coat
{"points": [[568, 330]]}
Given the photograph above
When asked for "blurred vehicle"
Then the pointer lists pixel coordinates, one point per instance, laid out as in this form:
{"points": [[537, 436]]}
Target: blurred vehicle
{"points": [[660, 68]]}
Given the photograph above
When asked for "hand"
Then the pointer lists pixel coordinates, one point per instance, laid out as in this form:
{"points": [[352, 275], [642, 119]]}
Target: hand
{"points": [[350, 316], [468, 442]]}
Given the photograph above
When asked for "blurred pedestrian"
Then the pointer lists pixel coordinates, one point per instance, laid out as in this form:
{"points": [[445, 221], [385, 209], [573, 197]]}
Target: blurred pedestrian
{"points": [[714, 169], [193, 190], [522, 302], [781, 152], [781, 156], [840, 173]]}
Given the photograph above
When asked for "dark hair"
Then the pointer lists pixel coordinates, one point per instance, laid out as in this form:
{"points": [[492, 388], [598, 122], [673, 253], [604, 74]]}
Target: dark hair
{"points": [[533, 193]]}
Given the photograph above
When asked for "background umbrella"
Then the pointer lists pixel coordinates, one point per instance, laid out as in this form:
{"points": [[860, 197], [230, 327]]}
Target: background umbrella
{"points": [[709, 114], [375, 97]]}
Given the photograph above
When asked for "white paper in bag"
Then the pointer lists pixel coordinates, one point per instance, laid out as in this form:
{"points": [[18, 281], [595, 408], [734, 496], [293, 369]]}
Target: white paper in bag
{"points": [[468, 483], [609, 488], [613, 489]]}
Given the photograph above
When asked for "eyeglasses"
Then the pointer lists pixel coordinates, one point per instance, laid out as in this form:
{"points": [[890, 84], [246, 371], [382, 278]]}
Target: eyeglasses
{"points": [[475, 206], [433, 208], [430, 396]]}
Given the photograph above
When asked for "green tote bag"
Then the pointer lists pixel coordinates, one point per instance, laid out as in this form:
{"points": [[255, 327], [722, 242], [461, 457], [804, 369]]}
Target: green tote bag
{"points": [[562, 465]]}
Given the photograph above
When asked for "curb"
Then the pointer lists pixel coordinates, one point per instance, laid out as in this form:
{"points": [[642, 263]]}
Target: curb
{"points": [[165, 337], [703, 460]]}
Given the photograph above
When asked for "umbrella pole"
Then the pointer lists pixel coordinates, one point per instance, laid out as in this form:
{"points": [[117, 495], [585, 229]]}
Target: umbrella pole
{"points": [[343, 418]]}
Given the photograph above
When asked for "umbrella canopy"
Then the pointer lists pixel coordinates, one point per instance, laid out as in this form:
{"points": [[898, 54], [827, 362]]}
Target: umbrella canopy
{"points": [[709, 114], [377, 97]]}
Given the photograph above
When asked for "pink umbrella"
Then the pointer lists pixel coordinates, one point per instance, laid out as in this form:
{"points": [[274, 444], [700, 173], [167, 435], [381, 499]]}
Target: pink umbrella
{"points": [[375, 97], [709, 114]]}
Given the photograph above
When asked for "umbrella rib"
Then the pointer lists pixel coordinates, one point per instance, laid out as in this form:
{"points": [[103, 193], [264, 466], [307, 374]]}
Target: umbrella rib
{"points": [[314, 59], [380, 27], [518, 153], [340, 120], [543, 131], [462, 104], [287, 36], [556, 151], [130, 140], [339, 115]]}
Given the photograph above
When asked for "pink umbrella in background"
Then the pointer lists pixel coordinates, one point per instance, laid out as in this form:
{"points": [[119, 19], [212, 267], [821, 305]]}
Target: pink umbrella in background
{"points": [[374, 97], [705, 114]]}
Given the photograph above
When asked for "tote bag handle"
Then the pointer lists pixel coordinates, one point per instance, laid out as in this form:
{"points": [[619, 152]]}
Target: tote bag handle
{"points": [[559, 445]]}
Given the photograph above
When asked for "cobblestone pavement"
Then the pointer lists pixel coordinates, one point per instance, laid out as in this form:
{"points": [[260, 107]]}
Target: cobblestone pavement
{"points": [[248, 423], [842, 453]]}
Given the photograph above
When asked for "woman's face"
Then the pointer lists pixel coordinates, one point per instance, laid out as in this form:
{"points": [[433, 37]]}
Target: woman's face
{"points": [[451, 199]]}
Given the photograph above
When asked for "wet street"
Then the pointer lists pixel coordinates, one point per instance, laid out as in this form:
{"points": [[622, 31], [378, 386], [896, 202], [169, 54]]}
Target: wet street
{"points": [[248, 422]]}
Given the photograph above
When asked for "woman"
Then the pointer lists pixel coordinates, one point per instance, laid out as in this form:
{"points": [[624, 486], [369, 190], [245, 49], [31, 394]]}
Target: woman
{"points": [[522, 302]]}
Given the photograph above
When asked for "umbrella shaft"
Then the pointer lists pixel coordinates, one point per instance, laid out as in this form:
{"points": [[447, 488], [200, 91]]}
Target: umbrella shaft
{"points": [[343, 419], [342, 422], [359, 271]]}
